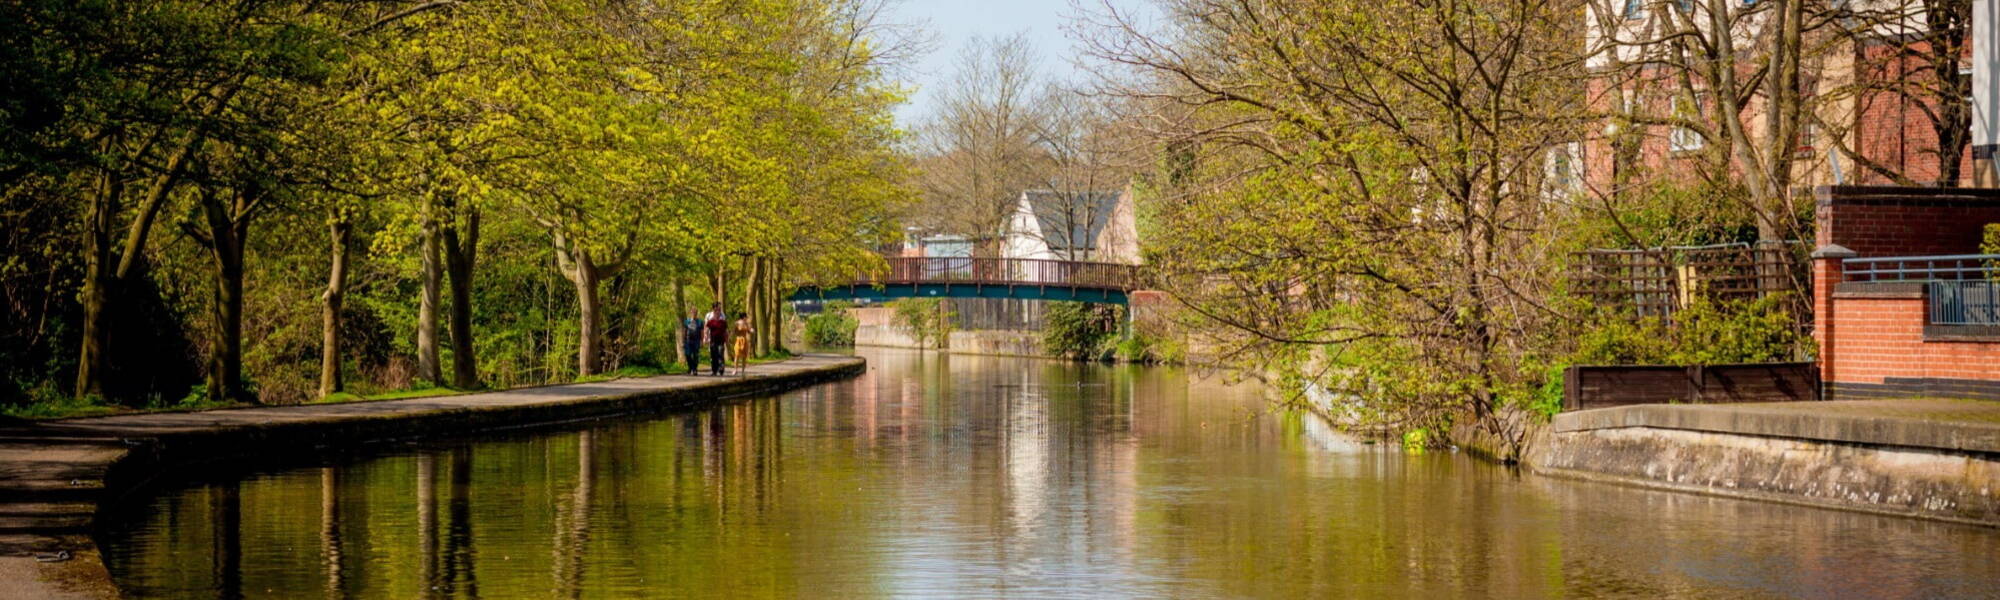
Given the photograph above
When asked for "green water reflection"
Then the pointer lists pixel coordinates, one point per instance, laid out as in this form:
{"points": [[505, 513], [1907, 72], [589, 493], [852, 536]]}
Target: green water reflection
{"points": [[981, 476]]}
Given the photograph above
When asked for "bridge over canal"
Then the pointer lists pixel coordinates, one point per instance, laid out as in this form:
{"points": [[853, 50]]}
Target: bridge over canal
{"points": [[967, 277]]}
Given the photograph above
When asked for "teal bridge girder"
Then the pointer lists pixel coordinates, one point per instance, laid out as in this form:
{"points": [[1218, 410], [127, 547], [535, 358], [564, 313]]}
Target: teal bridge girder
{"points": [[966, 277]]}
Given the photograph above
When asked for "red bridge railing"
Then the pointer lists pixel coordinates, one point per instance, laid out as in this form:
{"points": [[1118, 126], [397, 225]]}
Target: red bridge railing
{"points": [[1005, 271]]}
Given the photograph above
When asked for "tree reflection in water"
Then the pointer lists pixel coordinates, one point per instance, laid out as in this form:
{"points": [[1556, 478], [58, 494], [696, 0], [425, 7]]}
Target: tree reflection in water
{"points": [[936, 475]]}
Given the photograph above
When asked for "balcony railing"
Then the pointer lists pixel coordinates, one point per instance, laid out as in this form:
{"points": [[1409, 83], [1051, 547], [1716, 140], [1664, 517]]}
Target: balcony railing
{"points": [[1961, 288], [1964, 302]]}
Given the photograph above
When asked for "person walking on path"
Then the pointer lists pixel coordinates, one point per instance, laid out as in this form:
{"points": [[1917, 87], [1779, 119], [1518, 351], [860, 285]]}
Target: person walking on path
{"points": [[718, 332], [691, 342], [742, 335]]}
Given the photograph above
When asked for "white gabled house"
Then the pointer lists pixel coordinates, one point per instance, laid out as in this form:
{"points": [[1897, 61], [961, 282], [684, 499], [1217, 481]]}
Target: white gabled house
{"points": [[1052, 225]]}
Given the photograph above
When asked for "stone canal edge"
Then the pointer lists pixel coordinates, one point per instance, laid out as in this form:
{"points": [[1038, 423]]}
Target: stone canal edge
{"points": [[56, 475], [1929, 458]]}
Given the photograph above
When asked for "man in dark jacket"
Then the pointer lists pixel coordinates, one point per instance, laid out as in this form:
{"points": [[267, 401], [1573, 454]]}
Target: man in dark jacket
{"points": [[718, 333], [691, 327]]}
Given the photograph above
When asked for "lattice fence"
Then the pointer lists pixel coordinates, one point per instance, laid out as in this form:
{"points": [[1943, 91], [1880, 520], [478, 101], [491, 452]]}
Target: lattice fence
{"points": [[1657, 282]]}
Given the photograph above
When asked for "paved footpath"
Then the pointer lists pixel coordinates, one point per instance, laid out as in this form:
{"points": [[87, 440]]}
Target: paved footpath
{"points": [[54, 474]]}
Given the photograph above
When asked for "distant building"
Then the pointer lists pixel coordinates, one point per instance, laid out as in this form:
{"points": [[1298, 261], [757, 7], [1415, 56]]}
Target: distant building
{"points": [[917, 243], [1051, 225], [1874, 125], [1118, 240]]}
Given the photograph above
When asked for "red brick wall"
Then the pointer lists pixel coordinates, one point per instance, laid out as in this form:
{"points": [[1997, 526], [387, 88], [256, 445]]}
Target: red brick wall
{"points": [[1879, 338], [1895, 130], [1896, 221], [1826, 276]]}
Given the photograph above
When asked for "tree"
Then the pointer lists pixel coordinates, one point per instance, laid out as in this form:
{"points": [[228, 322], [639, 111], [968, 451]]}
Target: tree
{"points": [[1915, 55], [498, 157], [979, 151], [1085, 171], [1363, 205], [1745, 90]]}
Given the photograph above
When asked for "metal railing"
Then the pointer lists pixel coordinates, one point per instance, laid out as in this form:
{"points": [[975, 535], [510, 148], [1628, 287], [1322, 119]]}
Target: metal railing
{"points": [[1956, 267], [1964, 302], [1961, 288], [1004, 271]]}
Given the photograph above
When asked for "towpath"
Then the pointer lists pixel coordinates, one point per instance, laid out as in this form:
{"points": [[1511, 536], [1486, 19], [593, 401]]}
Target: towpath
{"points": [[54, 474]]}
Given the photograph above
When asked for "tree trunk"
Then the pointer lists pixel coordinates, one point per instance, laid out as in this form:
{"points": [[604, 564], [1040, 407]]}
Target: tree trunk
{"points": [[336, 291], [761, 340], [97, 280], [1780, 123], [721, 287], [226, 233], [773, 310], [680, 312], [589, 320], [1950, 22], [428, 368], [99, 241], [753, 298], [460, 256], [226, 377]]}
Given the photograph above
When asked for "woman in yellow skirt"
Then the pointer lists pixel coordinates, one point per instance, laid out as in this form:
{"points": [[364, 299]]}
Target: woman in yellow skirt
{"points": [[742, 341]]}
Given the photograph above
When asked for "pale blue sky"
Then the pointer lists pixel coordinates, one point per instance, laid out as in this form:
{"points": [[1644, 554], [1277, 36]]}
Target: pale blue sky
{"points": [[954, 22]]}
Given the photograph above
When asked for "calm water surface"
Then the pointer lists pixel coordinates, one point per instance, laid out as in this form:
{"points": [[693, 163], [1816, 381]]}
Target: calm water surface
{"points": [[968, 476]]}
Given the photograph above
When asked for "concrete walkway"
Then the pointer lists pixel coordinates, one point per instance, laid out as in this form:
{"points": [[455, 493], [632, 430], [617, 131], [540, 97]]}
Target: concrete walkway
{"points": [[54, 474], [1930, 423]]}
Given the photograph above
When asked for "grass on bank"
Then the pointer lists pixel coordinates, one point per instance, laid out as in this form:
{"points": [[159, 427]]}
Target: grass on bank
{"points": [[62, 406]]}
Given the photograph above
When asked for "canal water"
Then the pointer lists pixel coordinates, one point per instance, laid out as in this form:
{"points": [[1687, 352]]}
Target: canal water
{"points": [[972, 476]]}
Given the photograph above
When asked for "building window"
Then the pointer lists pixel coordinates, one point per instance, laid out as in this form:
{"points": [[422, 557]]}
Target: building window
{"points": [[1685, 139], [1965, 81], [1563, 172]]}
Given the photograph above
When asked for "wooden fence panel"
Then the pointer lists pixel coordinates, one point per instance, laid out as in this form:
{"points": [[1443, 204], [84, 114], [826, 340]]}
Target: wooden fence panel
{"points": [[1587, 387]]}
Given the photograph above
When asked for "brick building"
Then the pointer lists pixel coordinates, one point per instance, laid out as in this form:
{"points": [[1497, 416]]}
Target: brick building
{"points": [[1897, 314], [1876, 101]]}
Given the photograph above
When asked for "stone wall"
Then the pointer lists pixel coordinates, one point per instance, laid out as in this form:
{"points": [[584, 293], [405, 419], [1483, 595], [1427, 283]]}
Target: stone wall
{"points": [[1885, 479], [878, 328]]}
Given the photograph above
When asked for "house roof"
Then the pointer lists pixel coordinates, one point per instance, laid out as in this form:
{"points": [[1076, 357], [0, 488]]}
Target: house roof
{"points": [[1070, 220]]}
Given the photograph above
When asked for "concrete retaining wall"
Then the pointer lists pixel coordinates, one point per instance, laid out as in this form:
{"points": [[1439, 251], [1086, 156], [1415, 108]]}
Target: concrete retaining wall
{"points": [[1005, 343], [887, 336], [1904, 481], [1848, 455]]}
